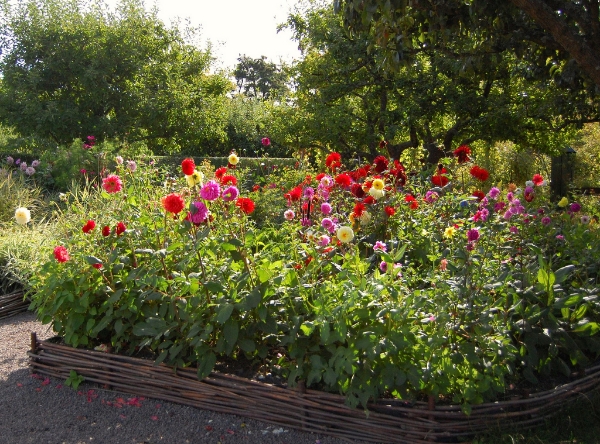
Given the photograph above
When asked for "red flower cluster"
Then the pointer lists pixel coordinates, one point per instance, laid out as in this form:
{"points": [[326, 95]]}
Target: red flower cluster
{"points": [[357, 190], [537, 179], [120, 228], [105, 231], [61, 254], [173, 203], [229, 180], [412, 201], [343, 180], [89, 226], [381, 164], [462, 153], [479, 173], [294, 194], [359, 209], [245, 204], [398, 174], [390, 211], [439, 180], [188, 166], [220, 172], [333, 161], [478, 194]]}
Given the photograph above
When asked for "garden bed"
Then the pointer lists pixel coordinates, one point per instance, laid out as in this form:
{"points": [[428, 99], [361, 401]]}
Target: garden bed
{"points": [[308, 410], [13, 303]]}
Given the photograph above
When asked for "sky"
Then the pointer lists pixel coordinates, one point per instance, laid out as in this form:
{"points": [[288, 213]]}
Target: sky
{"points": [[235, 26]]}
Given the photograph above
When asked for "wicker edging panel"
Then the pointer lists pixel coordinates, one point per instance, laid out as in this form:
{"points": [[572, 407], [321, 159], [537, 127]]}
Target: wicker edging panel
{"points": [[11, 304], [388, 421]]}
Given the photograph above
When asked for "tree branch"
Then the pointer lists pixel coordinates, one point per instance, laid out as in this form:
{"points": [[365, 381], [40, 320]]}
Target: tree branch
{"points": [[569, 39]]}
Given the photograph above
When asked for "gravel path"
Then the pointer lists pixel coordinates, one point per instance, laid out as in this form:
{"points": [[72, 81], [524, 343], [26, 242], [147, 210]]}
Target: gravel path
{"points": [[40, 411]]}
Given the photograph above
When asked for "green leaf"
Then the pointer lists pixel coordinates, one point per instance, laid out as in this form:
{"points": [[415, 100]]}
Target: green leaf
{"points": [[307, 328], [545, 278], [115, 296], [224, 313], [562, 273], [163, 355], [252, 300], [206, 364], [589, 328], [92, 260], [214, 287], [231, 331], [247, 345], [102, 324], [264, 274]]}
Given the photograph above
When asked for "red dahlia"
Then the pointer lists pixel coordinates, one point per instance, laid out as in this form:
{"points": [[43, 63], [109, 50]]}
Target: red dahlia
{"points": [[537, 180], [462, 153], [343, 180], [479, 173], [357, 190], [173, 203], [188, 166], [89, 226], [294, 194], [381, 164], [478, 194], [359, 209], [333, 161], [228, 180], [245, 204], [369, 200], [220, 172], [120, 228], [61, 254], [439, 180]]}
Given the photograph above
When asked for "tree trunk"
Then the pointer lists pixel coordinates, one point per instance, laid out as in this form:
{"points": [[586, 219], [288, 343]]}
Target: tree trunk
{"points": [[587, 58]]}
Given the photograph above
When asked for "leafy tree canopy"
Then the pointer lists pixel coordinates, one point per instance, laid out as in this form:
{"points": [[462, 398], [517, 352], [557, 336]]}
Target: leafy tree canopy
{"points": [[72, 68], [558, 37], [258, 78], [347, 99]]}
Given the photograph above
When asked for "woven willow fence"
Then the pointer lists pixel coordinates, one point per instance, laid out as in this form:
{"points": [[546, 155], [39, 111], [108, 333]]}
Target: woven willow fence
{"points": [[11, 304], [388, 421]]}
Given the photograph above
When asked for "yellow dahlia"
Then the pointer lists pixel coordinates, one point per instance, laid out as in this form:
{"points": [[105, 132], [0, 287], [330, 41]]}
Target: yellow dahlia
{"points": [[233, 159], [345, 234]]}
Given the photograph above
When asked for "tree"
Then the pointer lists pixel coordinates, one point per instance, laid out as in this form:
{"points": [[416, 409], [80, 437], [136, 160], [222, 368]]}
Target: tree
{"points": [[346, 100], [72, 69], [260, 79], [552, 34]]}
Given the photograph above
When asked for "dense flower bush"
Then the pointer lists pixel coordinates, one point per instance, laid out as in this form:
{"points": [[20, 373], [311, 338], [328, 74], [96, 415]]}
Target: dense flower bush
{"points": [[359, 280]]}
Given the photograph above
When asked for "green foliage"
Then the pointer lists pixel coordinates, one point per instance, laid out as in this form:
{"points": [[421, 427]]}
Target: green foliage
{"points": [[553, 38], [441, 97], [259, 79], [587, 157], [74, 380], [71, 70]]}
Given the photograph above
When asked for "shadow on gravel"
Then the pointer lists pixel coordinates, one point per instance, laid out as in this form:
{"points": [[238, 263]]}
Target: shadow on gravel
{"points": [[43, 410], [39, 410]]}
